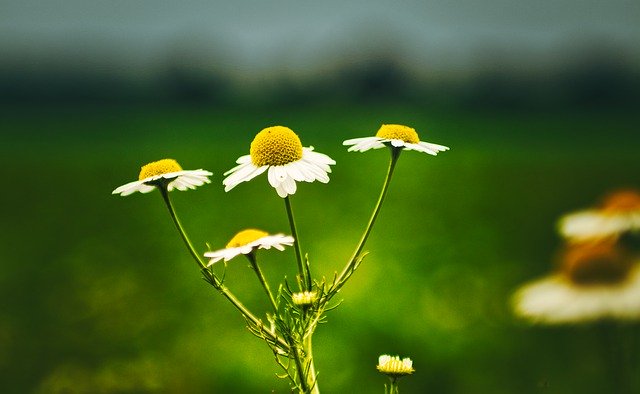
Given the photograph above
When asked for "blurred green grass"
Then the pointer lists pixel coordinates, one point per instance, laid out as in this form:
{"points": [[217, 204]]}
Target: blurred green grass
{"points": [[100, 296]]}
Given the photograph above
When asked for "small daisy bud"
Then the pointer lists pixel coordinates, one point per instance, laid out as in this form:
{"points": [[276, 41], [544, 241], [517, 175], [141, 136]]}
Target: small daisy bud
{"points": [[393, 367], [305, 298]]}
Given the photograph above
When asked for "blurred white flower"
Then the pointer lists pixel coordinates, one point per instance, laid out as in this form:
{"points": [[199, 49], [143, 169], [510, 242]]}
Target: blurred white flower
{"points": [[246, 241], [619, 213], [398, 136], [279, 150], [596, 281], [164, 172]]}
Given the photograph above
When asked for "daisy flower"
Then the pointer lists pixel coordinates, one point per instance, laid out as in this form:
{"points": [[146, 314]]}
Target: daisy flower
{"points": [[397, 136], [596, 281], [279, 150], [618, 213], [394, 367], [246, 241], [167, 173]]}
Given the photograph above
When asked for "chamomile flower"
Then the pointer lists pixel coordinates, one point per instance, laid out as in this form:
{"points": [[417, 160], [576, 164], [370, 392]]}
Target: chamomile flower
{"points": [[278, 151], [166, 173], [246, 241], [596, 281], [618, 213], [397, 136], [394, 367]]}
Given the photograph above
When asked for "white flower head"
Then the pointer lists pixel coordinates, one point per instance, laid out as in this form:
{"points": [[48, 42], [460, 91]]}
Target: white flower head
{"points": [[246, 241], [394, 367], [619, 213], [165, 172], [397, 136], [279, 151], [597, 281]]}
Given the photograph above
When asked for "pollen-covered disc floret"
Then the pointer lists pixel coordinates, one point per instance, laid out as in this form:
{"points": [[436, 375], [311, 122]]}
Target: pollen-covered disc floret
{"points": [[304, 298], [397, 136], [398, 132], [596, 281], [278, 151], [246, 241], [394, 367], [164, 173], [619, 213], [275, 146]]}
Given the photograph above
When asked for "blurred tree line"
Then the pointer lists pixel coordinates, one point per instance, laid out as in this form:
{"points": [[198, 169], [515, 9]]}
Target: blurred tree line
{"points": [[597, 78]]}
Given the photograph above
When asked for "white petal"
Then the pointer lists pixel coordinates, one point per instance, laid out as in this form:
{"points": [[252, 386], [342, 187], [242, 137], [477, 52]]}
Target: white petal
{"points": [[280, 173], [294, 171], [289, 185], [127, 188], [244, 159], [355, 141], [272, 177], [433, 147], [419, 148], [243, 173], [281, 192]]}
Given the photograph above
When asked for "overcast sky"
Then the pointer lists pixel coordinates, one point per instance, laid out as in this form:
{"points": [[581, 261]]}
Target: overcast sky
{"points": [[253, 35]]}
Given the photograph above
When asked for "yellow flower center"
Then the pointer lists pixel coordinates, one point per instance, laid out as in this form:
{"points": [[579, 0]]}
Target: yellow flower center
{"points": [[159, 167], [245, 237], [595, 263], [275, 146], [621, 202], [398, 132]]}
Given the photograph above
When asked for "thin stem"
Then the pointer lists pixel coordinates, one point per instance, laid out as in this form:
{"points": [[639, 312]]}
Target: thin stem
{"points": [[183, 234], [300, 369], [311, 375], [210, 276], [256, 268], [393, 386], [395, 154], [302, 271]]}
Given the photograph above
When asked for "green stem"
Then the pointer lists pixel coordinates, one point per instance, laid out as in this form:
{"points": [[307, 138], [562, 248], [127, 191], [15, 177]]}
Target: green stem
{"points": [[300, 369], [256, 268], [348, 269], [311, 375], [211, 277], [304, 274], [393, 386], [183, 234]]}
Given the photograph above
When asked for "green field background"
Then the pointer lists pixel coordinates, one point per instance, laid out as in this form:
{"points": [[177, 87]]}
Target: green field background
{"points": [[100, 296]]}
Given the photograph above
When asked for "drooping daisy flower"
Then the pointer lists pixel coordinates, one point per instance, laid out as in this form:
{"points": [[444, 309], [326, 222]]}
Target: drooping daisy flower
{"points": [[279, 150], [394, 367], [596, 281], [619, 213], [246, 241], [395, 135], [165, 172]]}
